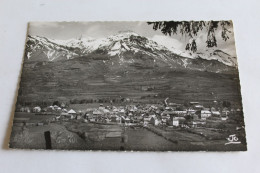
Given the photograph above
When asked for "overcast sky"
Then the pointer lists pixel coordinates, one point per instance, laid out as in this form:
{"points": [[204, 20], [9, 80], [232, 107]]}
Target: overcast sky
{"points": [[68, 30]]}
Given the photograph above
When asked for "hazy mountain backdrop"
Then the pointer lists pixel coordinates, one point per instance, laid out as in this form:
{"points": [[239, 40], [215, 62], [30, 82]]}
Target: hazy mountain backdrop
{"points": [[124, 65]]}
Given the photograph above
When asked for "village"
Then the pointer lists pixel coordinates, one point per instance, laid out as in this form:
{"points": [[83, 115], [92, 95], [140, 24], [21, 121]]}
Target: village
{"points": [[132, 126], [165, 114]]}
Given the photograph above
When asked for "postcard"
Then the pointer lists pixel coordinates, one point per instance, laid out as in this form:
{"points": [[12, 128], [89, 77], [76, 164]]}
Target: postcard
{"points": [[130, 86]]}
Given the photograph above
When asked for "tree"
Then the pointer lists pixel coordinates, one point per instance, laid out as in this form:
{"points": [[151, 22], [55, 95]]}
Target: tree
{"points": [[186, 103], [57, 103], [226, 104], [192, 28], [188, 117]]}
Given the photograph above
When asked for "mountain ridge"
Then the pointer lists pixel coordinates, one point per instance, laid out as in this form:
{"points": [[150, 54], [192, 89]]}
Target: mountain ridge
{"points": [[127, 47]]}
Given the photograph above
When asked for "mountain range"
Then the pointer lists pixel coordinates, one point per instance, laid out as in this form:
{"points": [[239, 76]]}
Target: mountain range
{"points": [[125, 65], [127, 49]]}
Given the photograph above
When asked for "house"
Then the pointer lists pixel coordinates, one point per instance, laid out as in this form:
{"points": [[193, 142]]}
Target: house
{"points": [[164, 119], [204, 114], [101, 107], [62, 105], [56, 107], [106, 120], [172, 104], [87, 115], [92, 119], [119, 119], [123, 119], [195, 116], [57, 118], [50, 108], [193, 124], [199, 122], [115, 118], [25, 109], [115, 109], [155, 121], [175, 122], [180, 113], [66, 115], [127, 120], [194, 103], [97, 112], [106, 111], [158, 112], [154, 107], [152, 116], [198, 107], [168, 108], [78, 117], [44, 110], [59, 109], [215, 113], [72, 112], [36, 109], [212, 109], [40, 124], [64, 110], [22, 109], [122, 111], [131, 108], [167, 116], [168, 113], [224, 118], [137, 119], [191, 112], [225, 111], [146, 120], [232, 110]]}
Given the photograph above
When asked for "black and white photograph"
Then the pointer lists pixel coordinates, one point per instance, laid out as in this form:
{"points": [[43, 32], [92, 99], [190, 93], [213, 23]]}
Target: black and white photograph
{"points": [[130, 86]]}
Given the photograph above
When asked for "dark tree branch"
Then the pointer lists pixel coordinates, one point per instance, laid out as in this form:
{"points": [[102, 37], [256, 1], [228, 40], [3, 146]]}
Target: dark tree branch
{"points": [[192, 29]]}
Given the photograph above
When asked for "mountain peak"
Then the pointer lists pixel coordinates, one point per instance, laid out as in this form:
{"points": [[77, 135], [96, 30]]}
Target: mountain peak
{"points": [[209, 54], [131, 48]]}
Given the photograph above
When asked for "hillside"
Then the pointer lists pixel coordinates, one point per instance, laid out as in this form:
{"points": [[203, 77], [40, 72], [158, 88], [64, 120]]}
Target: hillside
{"points": [[125, 65], [129, 48], [85, 78]]}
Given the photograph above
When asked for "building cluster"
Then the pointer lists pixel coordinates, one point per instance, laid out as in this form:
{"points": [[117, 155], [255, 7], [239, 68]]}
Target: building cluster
{"points": [[171, 114]]}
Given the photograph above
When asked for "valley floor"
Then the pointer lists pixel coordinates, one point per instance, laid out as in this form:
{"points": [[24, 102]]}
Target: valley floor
{"points": [[78, 135]]}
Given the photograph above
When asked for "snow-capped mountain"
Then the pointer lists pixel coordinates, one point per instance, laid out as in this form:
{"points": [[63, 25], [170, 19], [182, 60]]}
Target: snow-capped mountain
{"points": [[128, 48], [209, 54], [115, 45], [43, 49]]}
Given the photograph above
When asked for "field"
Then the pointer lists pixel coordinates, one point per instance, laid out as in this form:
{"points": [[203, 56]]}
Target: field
{"points": [[94, 81], [78, 135]]}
